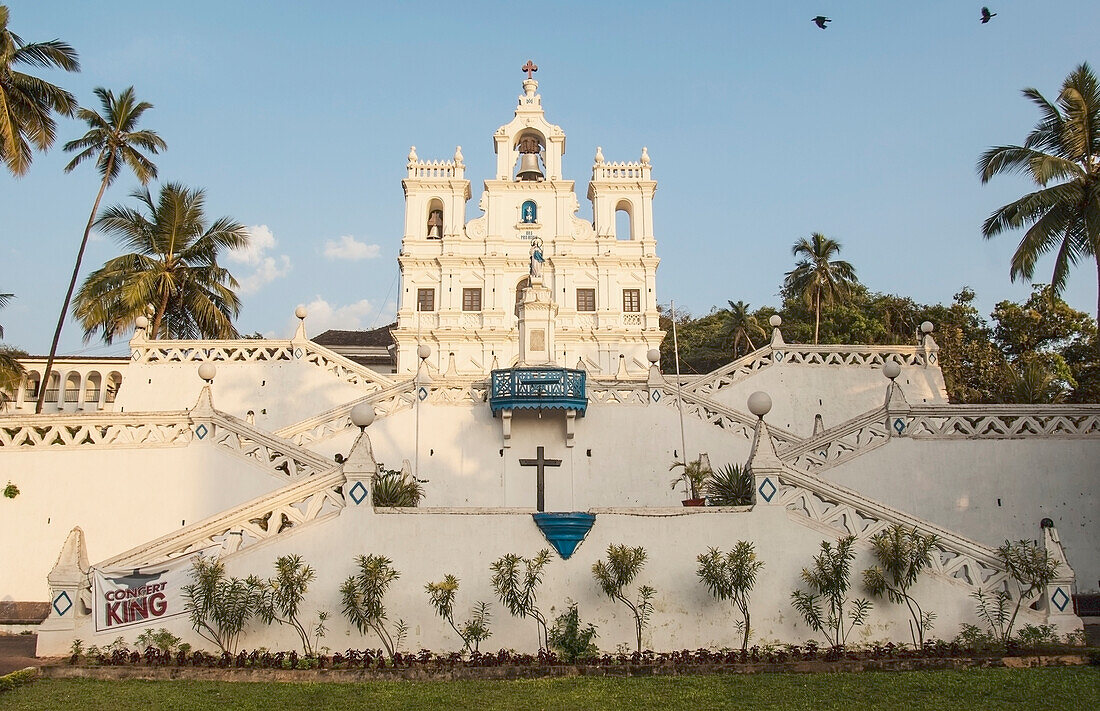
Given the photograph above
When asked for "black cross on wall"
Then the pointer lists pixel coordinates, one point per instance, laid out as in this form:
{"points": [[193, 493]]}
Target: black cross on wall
{"points": [[541, 462]]}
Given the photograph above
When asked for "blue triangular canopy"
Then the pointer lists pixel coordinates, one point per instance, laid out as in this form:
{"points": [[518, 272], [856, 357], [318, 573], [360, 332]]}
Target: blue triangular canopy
{"points": [[565, 531]]}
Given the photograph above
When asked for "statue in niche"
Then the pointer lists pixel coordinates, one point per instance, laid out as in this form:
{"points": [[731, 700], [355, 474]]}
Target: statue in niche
{"points": [[435, 224], [536, 260]]}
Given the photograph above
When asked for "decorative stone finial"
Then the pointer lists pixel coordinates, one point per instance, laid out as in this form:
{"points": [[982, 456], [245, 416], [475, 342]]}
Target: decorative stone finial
{"points": [[927, 327], [412, 154], [654, 356], [423, 351], [645, 156], [891, 370], [776, 320], [207, 371], [141, 323], [300, 312], [760, 403], [599, 154], [362, 415], [458, 155]]}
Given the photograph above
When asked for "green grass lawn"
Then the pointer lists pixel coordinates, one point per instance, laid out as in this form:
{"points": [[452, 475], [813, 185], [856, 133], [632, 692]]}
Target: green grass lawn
{"points": [[1049, 688]]}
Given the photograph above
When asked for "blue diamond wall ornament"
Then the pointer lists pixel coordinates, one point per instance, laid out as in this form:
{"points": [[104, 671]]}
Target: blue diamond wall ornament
{"points": [[656, 396], [1060, 599], [767, 490], [62, 603], [136, 355], [201, 431], [565, 531], [422, 393], [899, 425], [358, 493], [779, 356], [297, 352], [931, 357]]}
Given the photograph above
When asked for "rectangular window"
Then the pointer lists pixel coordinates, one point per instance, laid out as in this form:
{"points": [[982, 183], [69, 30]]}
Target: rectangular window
{"points": [[425, 299], [586, 299], [471, 299], [632, 300]]}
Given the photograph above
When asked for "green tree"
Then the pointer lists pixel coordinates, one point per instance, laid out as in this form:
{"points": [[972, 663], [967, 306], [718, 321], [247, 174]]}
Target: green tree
{"points": [[818, 278], [902, 555], [516, 581], [174, 266], [475, 629], [826, 607], [281, 597], [220, 606], [1062, 156], [364, 597], [27, 103], [741, 325], [113, 141], [622, 567], [732, 577]]}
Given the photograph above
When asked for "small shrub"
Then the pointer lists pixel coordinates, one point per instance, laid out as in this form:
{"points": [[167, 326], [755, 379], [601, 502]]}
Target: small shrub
{"points": [[281, 597], [829, 582], [570, 639], [17, 679], [975, 638], [162, 640], [472, 632], [622, 567], [516, 581], [732, 577], [694, 474], [364, 600], [219, 607], [1039, 636], [1032, 569], [902, 555]]}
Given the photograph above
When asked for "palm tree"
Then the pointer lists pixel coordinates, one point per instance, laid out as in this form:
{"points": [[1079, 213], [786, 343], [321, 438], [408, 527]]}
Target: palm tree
{"points": [[11, 370], [817, 279], [1062, 156], [113, 141], [173, 266], [27, 103], [741, 325]]}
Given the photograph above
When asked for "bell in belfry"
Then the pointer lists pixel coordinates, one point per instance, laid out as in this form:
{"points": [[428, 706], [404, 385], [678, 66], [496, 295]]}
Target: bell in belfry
{"points": [[529, 159]]}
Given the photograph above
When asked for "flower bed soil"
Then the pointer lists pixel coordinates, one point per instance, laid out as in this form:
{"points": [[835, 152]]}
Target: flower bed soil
{"points": [[442, 672]]}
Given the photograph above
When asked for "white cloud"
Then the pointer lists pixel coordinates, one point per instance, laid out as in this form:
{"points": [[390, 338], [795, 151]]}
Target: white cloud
{"points": [[349, 248], [267, 267], [359, 315]]}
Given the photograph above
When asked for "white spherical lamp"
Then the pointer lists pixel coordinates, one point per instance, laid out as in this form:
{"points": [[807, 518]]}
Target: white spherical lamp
{"points": [[891, 370], [300, 312], [141, 322], [654, 356], [776, 320], [926, 327], [423, 351], [207, 371], [362, 415], [760, 403]]}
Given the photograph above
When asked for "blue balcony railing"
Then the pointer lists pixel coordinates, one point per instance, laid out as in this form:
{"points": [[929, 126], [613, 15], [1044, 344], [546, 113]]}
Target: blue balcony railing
{"points": [[538, 389]]}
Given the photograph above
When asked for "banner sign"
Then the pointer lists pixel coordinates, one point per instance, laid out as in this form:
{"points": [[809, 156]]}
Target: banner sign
{"points": [[140, 596]]}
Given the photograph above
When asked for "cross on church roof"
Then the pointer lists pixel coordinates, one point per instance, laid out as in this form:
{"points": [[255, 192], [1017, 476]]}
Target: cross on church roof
{"points": [[530, 67]]}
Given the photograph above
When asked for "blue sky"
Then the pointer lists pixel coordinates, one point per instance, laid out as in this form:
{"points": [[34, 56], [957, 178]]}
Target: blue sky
{"points": [[761, 128]]}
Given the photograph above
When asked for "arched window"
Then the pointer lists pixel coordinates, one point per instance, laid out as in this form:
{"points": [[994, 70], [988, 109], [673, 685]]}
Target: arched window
{"points": [[624, 220], [92, 386], [529, 212], [435, 219], [113, 385]]}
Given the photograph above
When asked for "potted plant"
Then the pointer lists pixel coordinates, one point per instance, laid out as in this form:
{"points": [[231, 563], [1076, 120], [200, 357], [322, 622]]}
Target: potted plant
{"points": [[731, 485], [694, 474]]}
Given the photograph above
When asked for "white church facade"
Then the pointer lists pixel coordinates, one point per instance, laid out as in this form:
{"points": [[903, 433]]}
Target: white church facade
{"points": [[525, 387]]}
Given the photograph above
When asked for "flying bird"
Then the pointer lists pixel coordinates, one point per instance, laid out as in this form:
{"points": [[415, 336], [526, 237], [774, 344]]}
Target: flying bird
{"points": [[821, 21], [987, 15]]}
